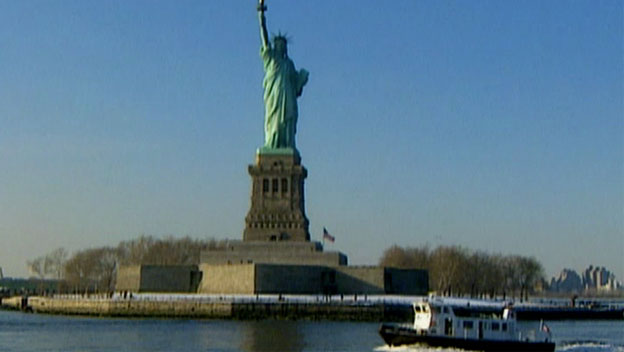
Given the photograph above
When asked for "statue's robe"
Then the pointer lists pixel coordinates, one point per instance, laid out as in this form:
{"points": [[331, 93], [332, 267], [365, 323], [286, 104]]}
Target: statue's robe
{"points": [[282, 85]]}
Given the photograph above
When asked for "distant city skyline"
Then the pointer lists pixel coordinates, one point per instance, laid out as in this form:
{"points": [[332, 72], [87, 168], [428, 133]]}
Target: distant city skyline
{"points": [[497, 126], [591, 280]]}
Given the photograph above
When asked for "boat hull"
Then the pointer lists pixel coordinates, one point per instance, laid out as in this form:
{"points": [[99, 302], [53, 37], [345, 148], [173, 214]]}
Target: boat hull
{"points": [[396, 335]]}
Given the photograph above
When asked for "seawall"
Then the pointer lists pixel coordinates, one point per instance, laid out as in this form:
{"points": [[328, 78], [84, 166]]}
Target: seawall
{"points": [[129, 308], [254, 307], [13, 303], [247, 308]]}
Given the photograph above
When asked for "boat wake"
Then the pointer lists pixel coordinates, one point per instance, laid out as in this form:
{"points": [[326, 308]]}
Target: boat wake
{"points": [[589, 346], [416, 348], [568, 346]]}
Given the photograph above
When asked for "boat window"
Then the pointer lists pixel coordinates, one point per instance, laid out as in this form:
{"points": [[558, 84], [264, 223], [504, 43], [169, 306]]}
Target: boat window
{"points": [[468, 324], [417, 309], [504, 326], [495, 326]]}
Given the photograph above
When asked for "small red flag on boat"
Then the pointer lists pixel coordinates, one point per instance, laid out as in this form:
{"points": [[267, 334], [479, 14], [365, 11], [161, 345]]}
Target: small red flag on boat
{"points": [[327, 236], [545, 328]]}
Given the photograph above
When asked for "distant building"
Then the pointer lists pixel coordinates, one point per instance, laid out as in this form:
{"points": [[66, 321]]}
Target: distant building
{"points": [[1, 275], [594, 279], [567, 281], [600, 279]]}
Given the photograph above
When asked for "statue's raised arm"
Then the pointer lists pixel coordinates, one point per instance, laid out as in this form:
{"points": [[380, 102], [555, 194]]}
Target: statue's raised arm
{"points": [[264, 35]]}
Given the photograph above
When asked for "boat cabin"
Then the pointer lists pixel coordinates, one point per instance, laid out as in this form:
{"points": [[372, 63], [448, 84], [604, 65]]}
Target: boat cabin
{"points": [[438, 318]]}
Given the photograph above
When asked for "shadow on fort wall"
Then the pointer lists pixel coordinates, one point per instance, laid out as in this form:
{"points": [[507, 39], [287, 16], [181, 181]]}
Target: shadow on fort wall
{"points": [[348, 284]]}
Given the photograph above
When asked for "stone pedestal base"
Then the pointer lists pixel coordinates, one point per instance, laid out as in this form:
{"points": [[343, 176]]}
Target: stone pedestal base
{"points": [[277, 211]]}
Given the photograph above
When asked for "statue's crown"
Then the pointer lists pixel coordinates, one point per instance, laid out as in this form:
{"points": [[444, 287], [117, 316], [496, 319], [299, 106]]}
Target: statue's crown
{"points": [[280, 36]]}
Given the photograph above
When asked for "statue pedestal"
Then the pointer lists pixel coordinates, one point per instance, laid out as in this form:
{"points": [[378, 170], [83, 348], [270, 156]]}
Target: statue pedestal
{"points": [[277, 211]]}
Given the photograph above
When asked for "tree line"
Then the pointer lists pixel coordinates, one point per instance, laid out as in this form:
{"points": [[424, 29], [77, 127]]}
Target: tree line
{"points": [[457, 271], [453, 270], [95, 269]]}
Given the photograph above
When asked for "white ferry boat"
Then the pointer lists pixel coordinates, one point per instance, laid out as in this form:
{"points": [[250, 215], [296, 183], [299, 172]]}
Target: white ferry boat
{"points": [[467, 326]]}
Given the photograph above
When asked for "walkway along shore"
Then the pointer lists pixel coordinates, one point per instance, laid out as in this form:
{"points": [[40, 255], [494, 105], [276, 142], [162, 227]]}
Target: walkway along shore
{"points": [[252, 307], [353, 308]]}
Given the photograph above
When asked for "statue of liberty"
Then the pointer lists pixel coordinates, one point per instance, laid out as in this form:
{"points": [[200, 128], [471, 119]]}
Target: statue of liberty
{"points": [[282, 85]]}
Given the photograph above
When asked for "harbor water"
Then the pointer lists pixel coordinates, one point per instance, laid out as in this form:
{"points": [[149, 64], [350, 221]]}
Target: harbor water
{"points": [[38, 333]]}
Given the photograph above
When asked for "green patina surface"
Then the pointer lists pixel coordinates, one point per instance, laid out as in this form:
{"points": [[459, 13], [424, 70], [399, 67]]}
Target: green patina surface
{"points": [[266, 150], [282, 84]]}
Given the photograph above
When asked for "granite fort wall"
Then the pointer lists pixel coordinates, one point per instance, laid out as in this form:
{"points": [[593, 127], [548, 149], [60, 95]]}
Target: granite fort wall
{"points": [[294, 279], [406, 281], [158, 278], [129, 278], [292, 253], [360, 280], [381, 280], [267, 278], [171, 278], [227, 279]]}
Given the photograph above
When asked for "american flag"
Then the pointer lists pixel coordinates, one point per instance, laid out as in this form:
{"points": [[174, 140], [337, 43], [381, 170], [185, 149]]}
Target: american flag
{"points": [[327, 236]]}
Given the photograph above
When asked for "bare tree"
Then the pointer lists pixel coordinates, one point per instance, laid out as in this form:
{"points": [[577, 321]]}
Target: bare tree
{"points": [[493, 276], [49, 265], [133, 252], [96, 268], [530, 272], [92, 269], [167, 251], [36, 267], [405, 258], [172, 251], [475, 271], [54, 263], [458, 271], [446, 268]]}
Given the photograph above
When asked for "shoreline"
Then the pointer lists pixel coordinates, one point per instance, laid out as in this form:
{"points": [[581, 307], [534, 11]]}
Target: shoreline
{"points": [[224, 307], [258, 307]]}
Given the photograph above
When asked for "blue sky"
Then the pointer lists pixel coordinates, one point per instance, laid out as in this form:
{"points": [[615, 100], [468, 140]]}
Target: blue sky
{"points": [[495, 125]]}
